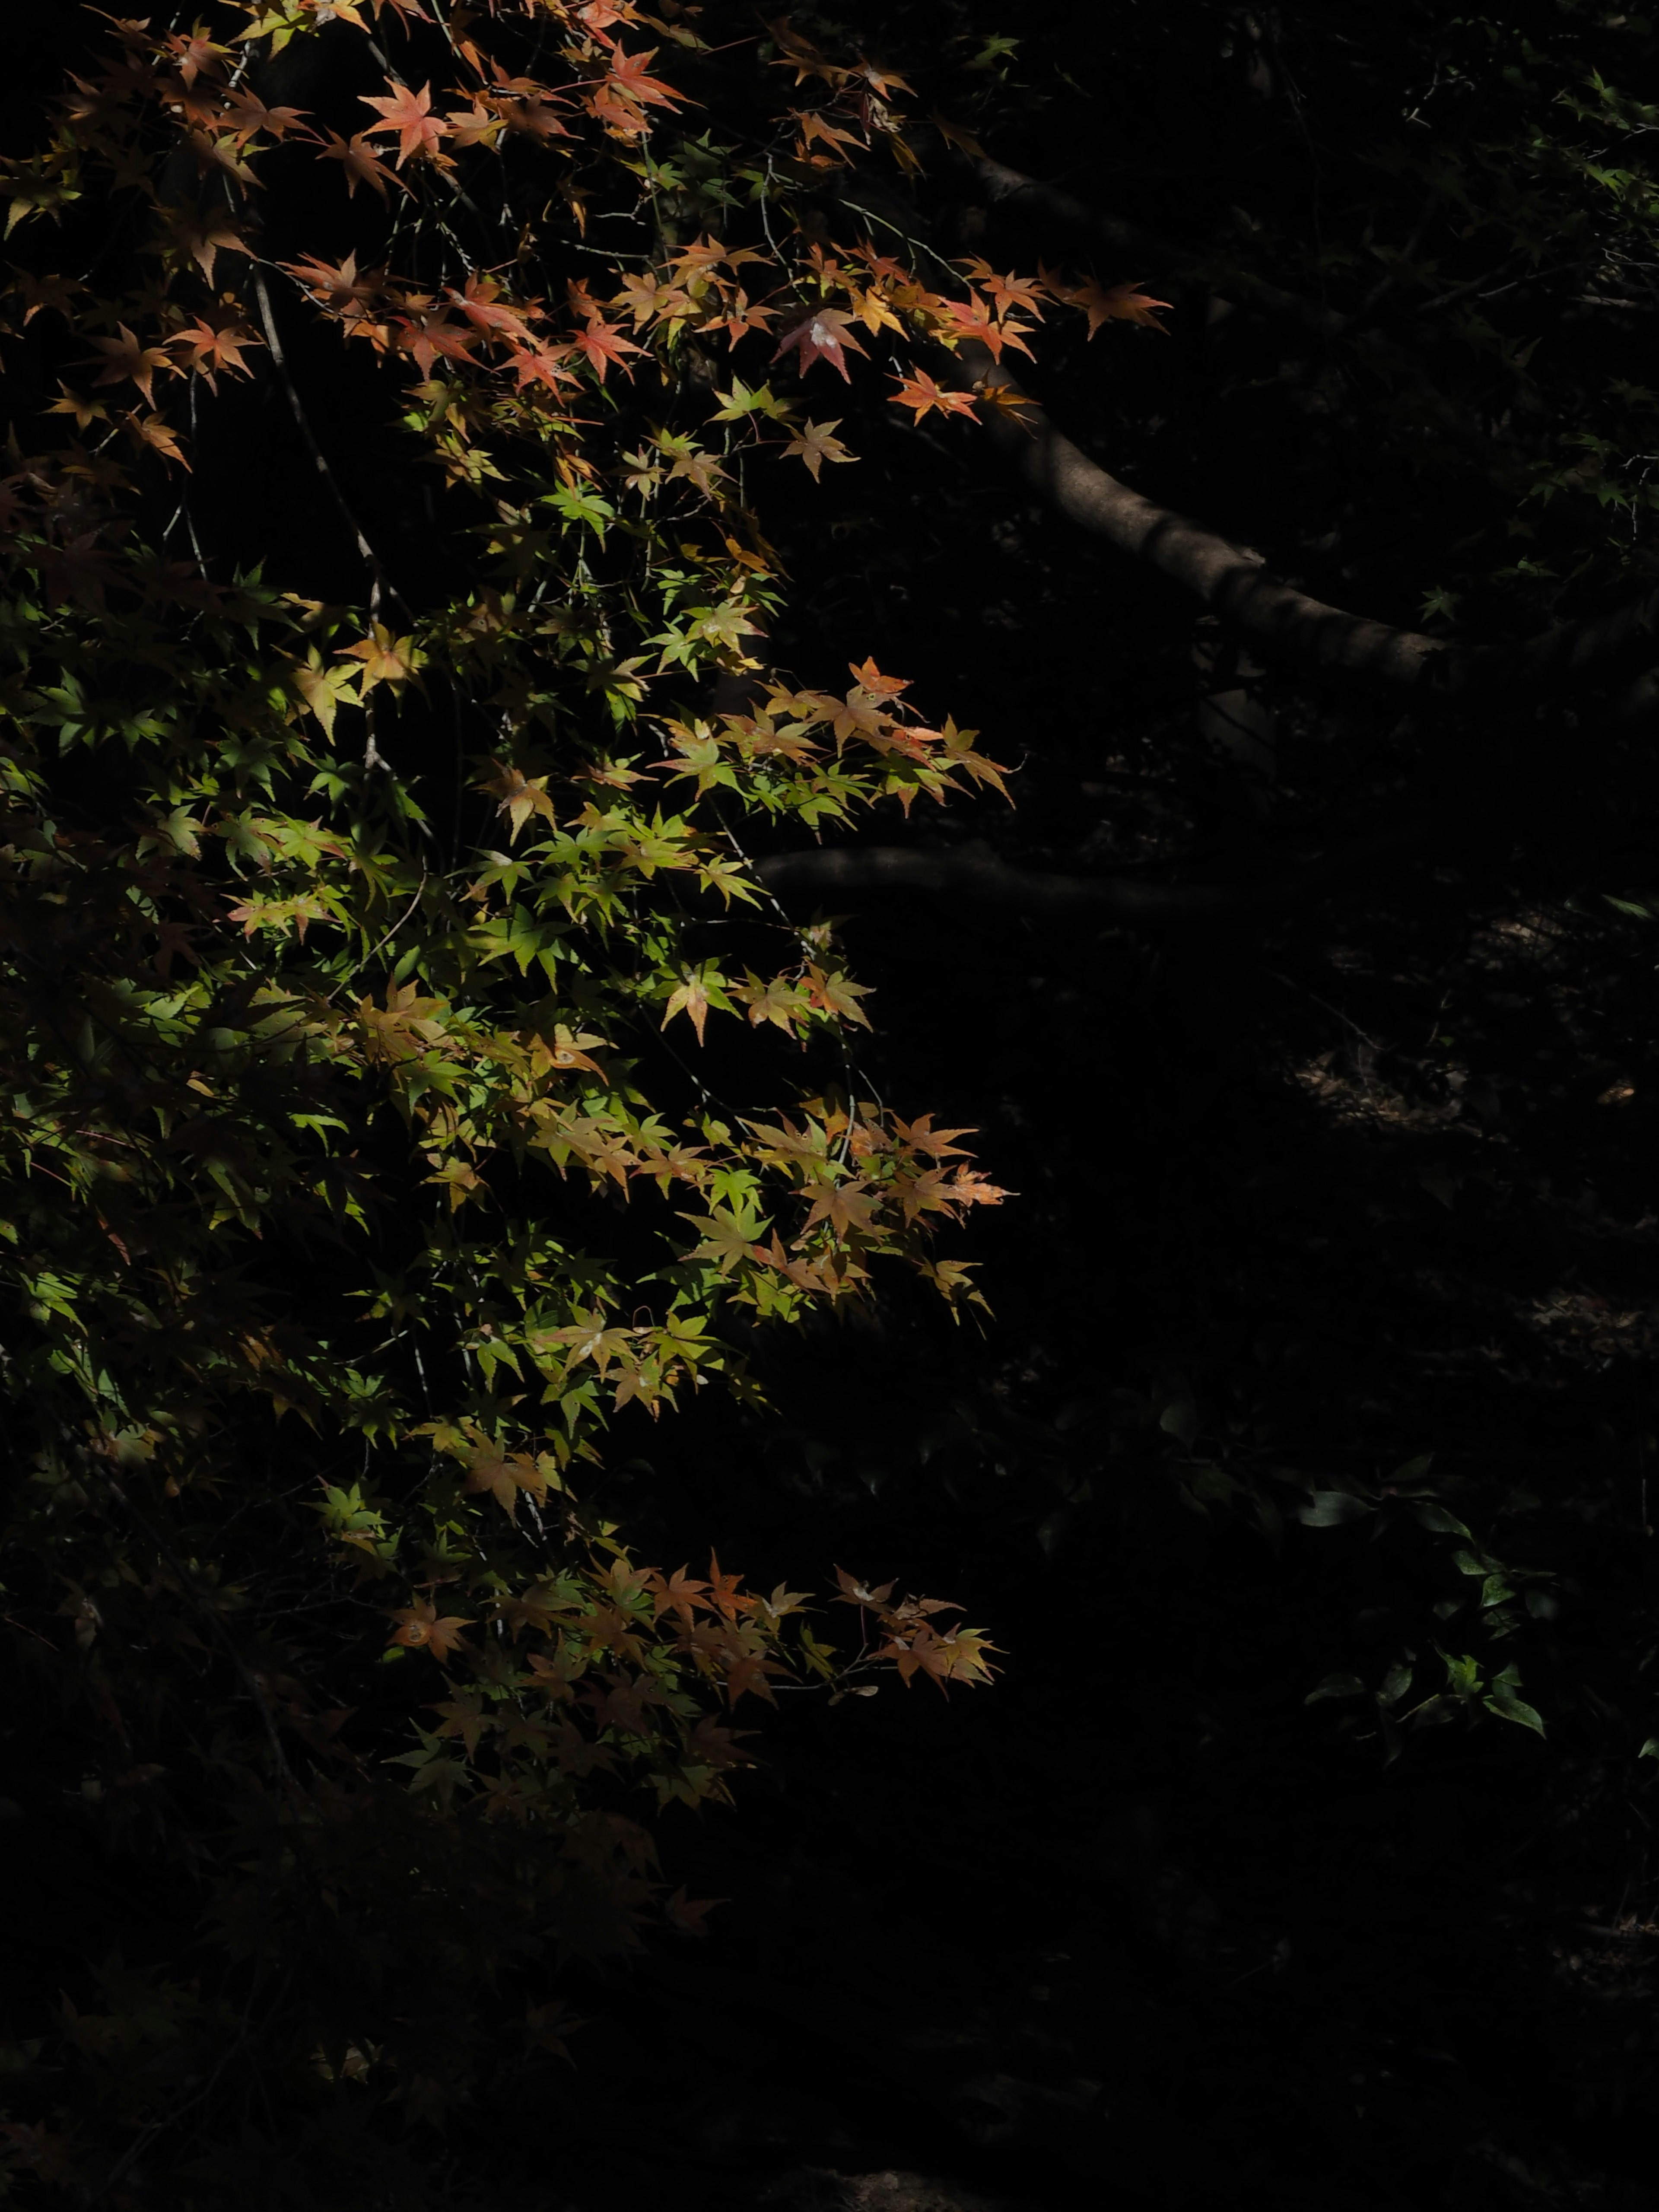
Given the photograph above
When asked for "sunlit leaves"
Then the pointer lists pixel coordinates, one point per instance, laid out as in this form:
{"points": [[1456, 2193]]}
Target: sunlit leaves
{"points": [[373, 1110]]}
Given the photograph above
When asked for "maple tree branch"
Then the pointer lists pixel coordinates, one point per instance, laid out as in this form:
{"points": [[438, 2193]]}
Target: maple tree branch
{"points": [[1123, 900], [1233, 580], [372, 560]]}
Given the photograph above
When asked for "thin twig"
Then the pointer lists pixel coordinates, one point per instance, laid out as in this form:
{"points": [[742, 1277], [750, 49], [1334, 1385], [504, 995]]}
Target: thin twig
{"points": [[297, 406]]}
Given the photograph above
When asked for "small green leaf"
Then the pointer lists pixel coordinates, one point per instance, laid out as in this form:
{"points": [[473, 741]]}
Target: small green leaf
{"points": [[1336, 1686], [1332, 1509], [1180, 1419]]}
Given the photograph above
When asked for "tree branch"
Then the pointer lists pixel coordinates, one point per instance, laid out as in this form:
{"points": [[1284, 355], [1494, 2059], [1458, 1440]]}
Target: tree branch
{"points": [[1123, 900], [380, 581], [1233, 580]]}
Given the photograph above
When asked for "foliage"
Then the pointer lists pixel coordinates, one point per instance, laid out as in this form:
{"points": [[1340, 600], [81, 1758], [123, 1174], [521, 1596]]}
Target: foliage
{"points": [[357, 931], [455, 452]]}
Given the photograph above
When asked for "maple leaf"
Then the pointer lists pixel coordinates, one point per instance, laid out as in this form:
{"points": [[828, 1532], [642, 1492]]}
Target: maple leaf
{"points": [[332, 286], [535, 112], [1007, 400], [361, 164], [325, 690], [954, 135], [539, 364], [802, 56], [518, 795], [692, 999], [846, 1206], [813, 444], [820, 336], [157, 433], [884, 82], [1128, 303], [970, 1188], [421, 133], [1005, 292], [957, 1656], [726, 1592], [209, 348], [602, 342], [870, 679], [919, 392], [678, 1592], [853, 1592], [197, 55], [50, 2157], [483, 306], [428, 335], [779, 1001], [819, 127], [727, 1240], [837, 994], [1121, 303], [464, 1716], [203, 235], [86, 411], [959, 753], [126, 361], [420, 1629], [699, 989], [737, 319], [386, 659], [504, 1475], [699, 469], [627, 77], [711, 1744], [590, 1339], [968, 320], [56, 294], [249, 115]]}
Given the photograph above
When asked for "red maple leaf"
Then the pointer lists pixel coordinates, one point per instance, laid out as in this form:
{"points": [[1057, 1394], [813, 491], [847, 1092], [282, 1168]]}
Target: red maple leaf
{"points": [[602, 342], [409, 113], [362, 164], [428, 335], [821, 336]]}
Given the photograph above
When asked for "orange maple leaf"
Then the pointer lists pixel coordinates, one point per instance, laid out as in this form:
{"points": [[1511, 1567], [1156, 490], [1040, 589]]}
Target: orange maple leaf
{"points": [[409, 113], [504, 1475], [420, 1629], [1125, 303], [126, 359], [207, 348], [920, 392], [814, 444]]}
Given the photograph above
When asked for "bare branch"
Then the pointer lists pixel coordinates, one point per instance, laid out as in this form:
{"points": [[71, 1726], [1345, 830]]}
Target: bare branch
{"points": [[376, 567], [1233, 582], [1128, 901]]}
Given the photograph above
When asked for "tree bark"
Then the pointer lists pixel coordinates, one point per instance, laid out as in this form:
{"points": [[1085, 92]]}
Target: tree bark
{"points": [[1233, 582], [1128, 901]]}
